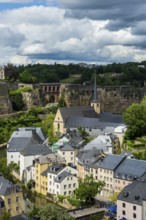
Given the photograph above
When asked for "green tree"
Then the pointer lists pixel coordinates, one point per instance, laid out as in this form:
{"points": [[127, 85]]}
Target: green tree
{"points": [[26, 77], [50, 212], [135, 119], [88, 188], [6, 216]]}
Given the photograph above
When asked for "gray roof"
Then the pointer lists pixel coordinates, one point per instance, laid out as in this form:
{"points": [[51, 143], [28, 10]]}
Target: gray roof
{"points": [[28, 131], [62, 176], [109, 162], [134, 193], [83, 111], [88, 156], [110, 117], [66, 147], [55, 169], [130, 169], [17, 144], [74, 137], [35, 149], [49, 158], [92, 123], [7, 187]]}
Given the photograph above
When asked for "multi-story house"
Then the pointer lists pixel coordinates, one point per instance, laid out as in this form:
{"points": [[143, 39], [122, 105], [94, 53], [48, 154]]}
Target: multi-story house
{"points": [[128, 171], [41, 164], [84, 159], [24, 146], [109, 143], [116, 171], [68, 152], [104, 170], [131, 202], [62, 179], [12, 197]]}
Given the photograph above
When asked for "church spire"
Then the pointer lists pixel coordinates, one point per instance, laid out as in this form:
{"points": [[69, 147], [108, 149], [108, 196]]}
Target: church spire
{"points": [[95, 104], [95, 89]]}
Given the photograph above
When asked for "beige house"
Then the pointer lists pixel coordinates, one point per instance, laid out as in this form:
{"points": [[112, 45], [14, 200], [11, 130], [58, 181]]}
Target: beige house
{"points": [[65, 113], [68, 153], [131, 203], [12, 196]]}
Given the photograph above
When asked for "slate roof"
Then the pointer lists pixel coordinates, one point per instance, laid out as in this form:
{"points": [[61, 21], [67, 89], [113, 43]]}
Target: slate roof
{"points": [[134, 193], [109, 162], [49, 158], [7, 187], [101, 142], [66, 147], [17, 144], [35, 149], [28, 131], [92, 123], [55, 169], [62, 176], [88, 156], [83, 111], [110, 117], [130, 169]]}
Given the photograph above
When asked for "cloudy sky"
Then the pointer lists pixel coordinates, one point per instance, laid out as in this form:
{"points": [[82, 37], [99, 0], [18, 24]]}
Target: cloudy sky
{"points": [[64, 31]]}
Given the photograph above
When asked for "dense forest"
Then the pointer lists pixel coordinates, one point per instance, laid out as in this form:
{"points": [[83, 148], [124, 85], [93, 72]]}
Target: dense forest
{"points": [[130, 73]]}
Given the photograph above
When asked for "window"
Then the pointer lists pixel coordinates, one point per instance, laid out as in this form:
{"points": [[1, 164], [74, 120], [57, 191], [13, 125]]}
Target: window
{"points": [[71, 153], [124, 205], [74, 185], [11, 156], [9, 210], [50, 176], [69, 186], [134, 207], [63, 153], [123, 212], [64, 193], [91, 170], [17, 199], [134, 215], [100, 170], [9, 201], [96, 171], [72, 158], [17, 209], [57, 186], [64, 186]]}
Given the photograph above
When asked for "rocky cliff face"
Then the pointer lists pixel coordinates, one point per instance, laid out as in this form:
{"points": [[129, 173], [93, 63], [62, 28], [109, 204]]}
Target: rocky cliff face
{"points": [[5, 103], [112, 99]]}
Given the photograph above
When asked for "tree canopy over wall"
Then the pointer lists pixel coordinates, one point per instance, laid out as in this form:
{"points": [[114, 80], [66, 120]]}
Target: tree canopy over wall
{"points": [[111, 74]]}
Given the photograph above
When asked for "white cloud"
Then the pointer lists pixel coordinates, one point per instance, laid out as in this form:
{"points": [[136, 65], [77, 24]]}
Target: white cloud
{"points": [[43, 34], [15, 1]]}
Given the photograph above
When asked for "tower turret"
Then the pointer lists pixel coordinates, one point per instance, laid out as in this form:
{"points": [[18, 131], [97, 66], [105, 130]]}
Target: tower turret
{"points": [[95, 102]]}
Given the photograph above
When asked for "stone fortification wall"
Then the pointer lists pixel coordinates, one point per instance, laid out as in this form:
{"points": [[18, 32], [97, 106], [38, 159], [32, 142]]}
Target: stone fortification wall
{"points": [[5, 103], [112, 99], [78, 94], [32, 98]]}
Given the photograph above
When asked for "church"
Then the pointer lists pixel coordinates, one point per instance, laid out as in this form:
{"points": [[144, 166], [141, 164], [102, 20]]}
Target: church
{"points": [[86, 117]]}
